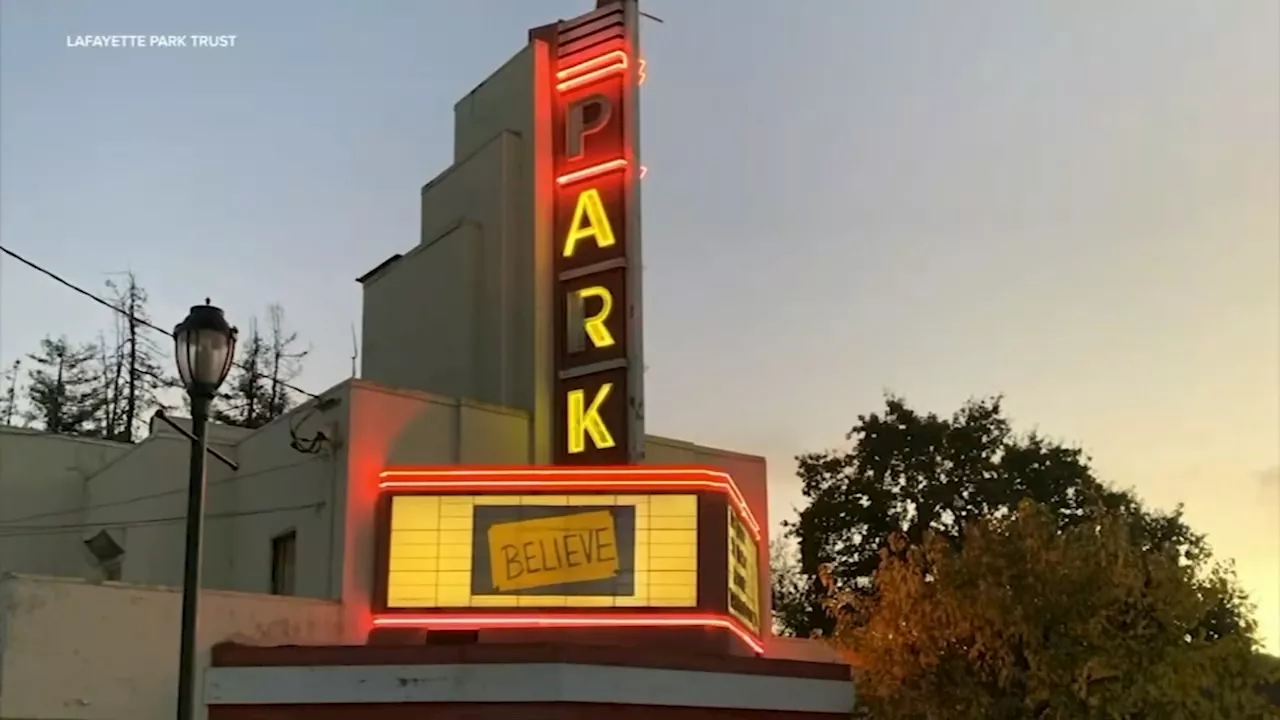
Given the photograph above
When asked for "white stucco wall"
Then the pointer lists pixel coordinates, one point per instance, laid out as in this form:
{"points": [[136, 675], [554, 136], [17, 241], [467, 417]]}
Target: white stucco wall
{"points": [[141, 500], [43, 485], [278, 489], [327, 498], [74, 650], [534, 683], [470, 329]]}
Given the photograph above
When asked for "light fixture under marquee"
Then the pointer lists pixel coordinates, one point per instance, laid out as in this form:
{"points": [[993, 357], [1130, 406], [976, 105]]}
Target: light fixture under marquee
{"points": [[463, 621]]}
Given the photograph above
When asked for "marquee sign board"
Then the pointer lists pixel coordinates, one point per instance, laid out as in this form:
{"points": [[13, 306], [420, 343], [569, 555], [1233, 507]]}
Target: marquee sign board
{"points": [[515, 547], [548, 550], [598, 358], [536, 551]]}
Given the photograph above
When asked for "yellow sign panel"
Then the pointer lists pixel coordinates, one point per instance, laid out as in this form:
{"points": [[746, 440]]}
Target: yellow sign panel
{"points": [[578, 547], [451, 551], [744, 574]]}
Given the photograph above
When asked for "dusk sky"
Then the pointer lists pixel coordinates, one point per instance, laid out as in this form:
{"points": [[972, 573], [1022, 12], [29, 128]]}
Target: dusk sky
{"points": [[1076, 204]]}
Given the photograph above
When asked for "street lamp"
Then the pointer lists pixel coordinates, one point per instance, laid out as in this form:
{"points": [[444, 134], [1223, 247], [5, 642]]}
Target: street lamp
{"points": [[204, 346]]}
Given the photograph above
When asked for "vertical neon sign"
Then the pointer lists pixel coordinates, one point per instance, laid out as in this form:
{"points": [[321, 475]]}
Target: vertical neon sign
{"points": [[598, 359]]}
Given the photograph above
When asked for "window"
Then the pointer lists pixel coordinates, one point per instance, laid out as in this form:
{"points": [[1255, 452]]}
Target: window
{"points": [[284, 561]]}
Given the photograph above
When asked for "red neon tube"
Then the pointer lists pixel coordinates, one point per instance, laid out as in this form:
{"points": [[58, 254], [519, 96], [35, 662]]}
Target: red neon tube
{"points": [[573, 479]]}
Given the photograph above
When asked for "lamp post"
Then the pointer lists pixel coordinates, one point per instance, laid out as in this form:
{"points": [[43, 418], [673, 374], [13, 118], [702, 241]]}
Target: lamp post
{"points": [[204, 346]]}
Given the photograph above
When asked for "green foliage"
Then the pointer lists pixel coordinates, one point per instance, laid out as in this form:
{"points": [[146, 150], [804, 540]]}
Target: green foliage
{"points": [[788, 586], [978, 573], [257, 392], [109, 389], [243, 401], [130, 373], [61, 392], [9, 393], [1025, 619], [105, 389], [134, 373], [910, 472]]}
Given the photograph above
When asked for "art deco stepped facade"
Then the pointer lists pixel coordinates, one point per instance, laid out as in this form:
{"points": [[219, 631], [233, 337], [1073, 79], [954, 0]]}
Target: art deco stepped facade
{"points": [[486, 530]]}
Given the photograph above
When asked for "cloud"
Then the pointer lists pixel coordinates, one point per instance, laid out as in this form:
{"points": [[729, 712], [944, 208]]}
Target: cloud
{"points": [[1270, 478], [1269, 489]]}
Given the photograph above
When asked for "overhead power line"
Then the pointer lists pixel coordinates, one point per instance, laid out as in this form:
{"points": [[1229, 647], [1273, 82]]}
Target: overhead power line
{"points": [[132, 318], [32, 530]]}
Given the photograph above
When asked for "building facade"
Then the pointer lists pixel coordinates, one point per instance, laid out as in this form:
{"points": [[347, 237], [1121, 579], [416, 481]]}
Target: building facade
{"points": [[481, 509], [61, 492]]}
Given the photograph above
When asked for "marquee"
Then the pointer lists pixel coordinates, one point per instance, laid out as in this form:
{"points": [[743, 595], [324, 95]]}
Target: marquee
{"points": [[573, 546]]}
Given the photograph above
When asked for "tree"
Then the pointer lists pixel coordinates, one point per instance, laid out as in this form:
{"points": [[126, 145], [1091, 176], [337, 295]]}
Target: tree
{"points": [[1027, 619], [285, 362], [915, 473], [129, 370], [258, 391], [138, 371], [1270, 686], [60, 388], [789, 587], [244, 402], [9, 393], [109, 371]]}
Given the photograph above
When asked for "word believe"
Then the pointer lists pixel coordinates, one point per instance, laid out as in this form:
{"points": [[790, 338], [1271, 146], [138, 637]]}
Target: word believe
{"points": [[150, 41], [527, 554]]}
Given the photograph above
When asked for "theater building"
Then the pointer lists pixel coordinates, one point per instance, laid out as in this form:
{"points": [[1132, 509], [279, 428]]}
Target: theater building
{"points": [[478, 527]]}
